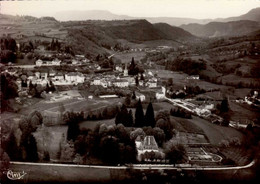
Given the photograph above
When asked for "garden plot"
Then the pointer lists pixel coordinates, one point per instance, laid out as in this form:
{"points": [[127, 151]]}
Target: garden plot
{"points": [[200, 155], [191, 138]]}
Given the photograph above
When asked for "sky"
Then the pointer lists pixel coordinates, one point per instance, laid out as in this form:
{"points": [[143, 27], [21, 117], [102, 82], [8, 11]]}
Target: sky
{"points": [[200, 9]]}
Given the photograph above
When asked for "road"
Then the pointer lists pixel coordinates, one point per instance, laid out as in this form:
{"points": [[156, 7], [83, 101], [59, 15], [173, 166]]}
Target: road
{"points": [[139, 166]]}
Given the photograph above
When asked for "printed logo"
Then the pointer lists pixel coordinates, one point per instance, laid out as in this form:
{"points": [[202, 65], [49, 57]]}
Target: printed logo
{"points": [[15, 175]]}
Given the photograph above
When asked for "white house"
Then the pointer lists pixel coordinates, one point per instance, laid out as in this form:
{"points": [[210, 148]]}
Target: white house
{"points": [[97, 81], [148, 144], [56, 62], [119, 68], [160, 94], [140, 96], [152, 83], [52, 73], [121, 83], [196, 77], [75, 77], [39, 62]]}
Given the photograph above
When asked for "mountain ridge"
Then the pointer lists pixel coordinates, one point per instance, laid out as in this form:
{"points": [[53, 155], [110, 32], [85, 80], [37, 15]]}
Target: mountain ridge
{"points": [[215, 29], [253, 14]]}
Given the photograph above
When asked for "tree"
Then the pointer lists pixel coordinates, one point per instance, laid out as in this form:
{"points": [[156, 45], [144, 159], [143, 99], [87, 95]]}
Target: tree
{"points": [[67, 151], [73, 130], [127, 100], [170, 82], [110, 149], [142, 76], [130, 118], [163, 122], [133, 96], [139, 115], [136, 81], [4, 163], [31, 149], [174, 152], [46, 156], [47, 89], [149, 116], [12, 149], [121, 116], [224, 107], [30, 85], [159, 135], [133, 69]]}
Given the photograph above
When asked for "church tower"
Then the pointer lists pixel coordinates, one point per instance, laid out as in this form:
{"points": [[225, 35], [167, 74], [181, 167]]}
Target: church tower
{"points": [[126, 71]]}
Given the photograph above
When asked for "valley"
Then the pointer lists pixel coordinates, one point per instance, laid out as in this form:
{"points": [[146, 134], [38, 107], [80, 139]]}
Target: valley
{"points": [[130, 96]]}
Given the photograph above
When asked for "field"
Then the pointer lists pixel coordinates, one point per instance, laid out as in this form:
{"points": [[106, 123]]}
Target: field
{"points": [[92, 124], [180, 79], [215, 133], [184, 125], [73, 104], [127, 57], [243, 113]]}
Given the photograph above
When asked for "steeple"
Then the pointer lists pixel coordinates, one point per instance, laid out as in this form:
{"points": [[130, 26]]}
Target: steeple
{"points": [[125, 70]]}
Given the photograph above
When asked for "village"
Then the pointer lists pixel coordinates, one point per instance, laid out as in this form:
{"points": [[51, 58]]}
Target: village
{"points": [[126, 99]]}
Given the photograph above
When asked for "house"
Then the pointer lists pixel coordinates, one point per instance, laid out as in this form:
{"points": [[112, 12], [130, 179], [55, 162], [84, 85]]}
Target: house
{"points": [[97, 81], [31, 75], [152, 83], [121, 83], [140, 96], [148, 144], [59, 77], [160, 94], [105, 83], [196, 77], [43, 75], [52, 73], [38, 75], [119, 68], [39, 62], [56, 62], [76, 77], [75, 62]]}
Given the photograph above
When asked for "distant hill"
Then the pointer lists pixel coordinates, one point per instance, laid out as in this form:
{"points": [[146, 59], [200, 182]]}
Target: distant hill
{"points": [[174, 33], [89, 15], [96, 36], [253, 15], [215, 29]]}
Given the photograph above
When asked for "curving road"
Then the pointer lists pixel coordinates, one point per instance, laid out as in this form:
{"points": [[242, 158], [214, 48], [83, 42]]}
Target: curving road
{"points": [[139, 166]]}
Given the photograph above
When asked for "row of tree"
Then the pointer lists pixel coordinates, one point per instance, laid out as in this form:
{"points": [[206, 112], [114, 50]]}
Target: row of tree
{"points": [[125, 117]]}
